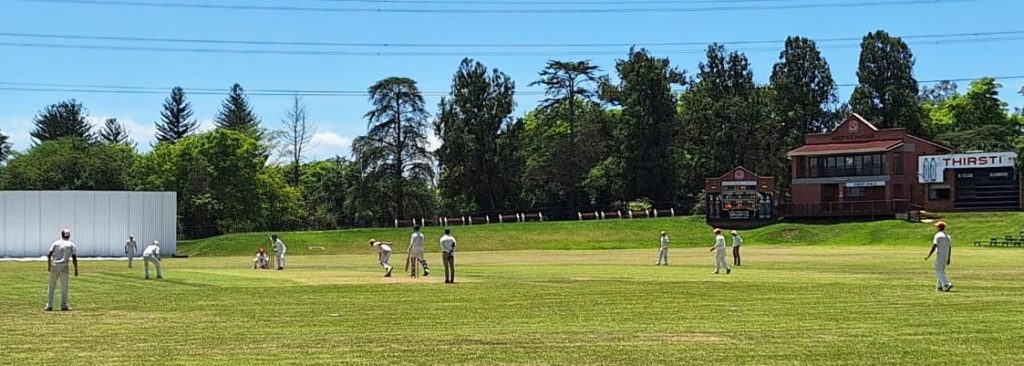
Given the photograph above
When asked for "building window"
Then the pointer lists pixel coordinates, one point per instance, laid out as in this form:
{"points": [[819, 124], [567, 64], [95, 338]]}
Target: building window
{"points": [[845, 166], [897, 163], [939, 193], [855, 192]]}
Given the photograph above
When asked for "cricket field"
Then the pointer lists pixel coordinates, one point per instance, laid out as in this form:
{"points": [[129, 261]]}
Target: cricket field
{"points": [[787, 305]]}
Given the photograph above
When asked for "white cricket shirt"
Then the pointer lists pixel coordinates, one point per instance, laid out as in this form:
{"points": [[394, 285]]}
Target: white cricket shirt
{"points": [[737, 241], [664, 242], [416, 243], [942, 242], [62, 251], [151, 250], [719, 242], [448, 243], [382, 247], [279, 246]]}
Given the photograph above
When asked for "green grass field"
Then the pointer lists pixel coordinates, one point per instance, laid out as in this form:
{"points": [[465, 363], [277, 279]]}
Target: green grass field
{"points": [[787, 305], [688, 231]]}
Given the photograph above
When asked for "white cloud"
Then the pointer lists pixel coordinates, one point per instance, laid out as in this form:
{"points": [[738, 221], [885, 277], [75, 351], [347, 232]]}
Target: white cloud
{"points": [[142, 133], [19, 130], [326, 144]]}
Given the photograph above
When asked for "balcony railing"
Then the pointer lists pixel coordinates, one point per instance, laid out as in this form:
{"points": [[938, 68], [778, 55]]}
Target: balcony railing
{"points": [[845, 209]]}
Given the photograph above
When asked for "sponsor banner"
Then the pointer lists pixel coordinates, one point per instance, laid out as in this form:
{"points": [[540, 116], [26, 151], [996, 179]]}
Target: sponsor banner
{"points": [[865, 184], [931, 168]]}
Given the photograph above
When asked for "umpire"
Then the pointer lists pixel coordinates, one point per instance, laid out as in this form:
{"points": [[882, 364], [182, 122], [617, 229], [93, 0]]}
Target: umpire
{"points": [[448, 256]]}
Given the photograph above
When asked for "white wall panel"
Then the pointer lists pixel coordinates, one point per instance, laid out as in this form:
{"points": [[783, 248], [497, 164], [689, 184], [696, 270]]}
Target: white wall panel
{"points": [[100, 222]]}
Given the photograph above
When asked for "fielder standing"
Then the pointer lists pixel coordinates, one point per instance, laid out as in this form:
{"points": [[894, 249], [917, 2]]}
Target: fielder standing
{"points": [[942, 248], [130, 248], [737, 242], [280, 249], [719, 250], [416, 250], [384, 254], [663, 252], [447, 256], [152, 255], [57, 264]]}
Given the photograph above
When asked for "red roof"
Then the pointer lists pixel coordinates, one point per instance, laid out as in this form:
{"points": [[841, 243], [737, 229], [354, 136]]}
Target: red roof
{"points": [[847, 148]]}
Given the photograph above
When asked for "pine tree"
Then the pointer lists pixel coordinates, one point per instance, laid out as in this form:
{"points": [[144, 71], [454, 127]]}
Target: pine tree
{"points": [[5, 147], [237, 115], [64, 119], [113, 132], [395, 147], [175, 122], [569, 87]]}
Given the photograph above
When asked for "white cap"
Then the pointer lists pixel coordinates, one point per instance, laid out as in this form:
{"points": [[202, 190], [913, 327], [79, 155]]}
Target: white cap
{"points": [[734, 232]]}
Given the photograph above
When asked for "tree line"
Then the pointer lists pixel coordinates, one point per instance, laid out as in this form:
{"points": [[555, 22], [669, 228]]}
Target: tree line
{"points": [[651, 136]]}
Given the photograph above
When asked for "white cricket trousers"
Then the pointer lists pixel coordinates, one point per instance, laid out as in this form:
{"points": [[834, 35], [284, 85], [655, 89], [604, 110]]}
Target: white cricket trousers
{"points": [[385, 258], [720, 262], [280, 260], [940, 272], [663, 256], [156, 262], [61, 273], [130, 258]]}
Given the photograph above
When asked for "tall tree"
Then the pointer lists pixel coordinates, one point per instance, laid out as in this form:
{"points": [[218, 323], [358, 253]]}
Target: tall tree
{"points": [[887, 91], [396, 144], [976, 120], [568, 84], [728, 120], [296, 136], [64, 119], [648, 124], [470, 125], [176, 119], [113, 132], [236, 114], [5, 148], [803, 89]]}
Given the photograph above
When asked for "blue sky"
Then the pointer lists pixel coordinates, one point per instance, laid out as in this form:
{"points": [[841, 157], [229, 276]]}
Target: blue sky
{"points": [[340, 118]]}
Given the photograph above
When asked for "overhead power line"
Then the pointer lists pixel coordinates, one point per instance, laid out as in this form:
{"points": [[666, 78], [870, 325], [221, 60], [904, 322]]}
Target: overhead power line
{"points": [[469, 45], [556, 2], [467, 53], [123, 89], [514, 10]]}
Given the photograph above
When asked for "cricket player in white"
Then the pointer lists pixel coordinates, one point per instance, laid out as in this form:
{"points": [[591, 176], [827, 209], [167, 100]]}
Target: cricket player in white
{"points": [[416, 250], [130, 248], [384, 254], [663, 252], [61, 251], [737, 242], [942, 248], [448, 256], [152, 255], [280, 249], [719, 250]]}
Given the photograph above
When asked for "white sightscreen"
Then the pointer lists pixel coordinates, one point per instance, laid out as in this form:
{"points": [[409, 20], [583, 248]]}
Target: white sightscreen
{"points": [[100, 221]]}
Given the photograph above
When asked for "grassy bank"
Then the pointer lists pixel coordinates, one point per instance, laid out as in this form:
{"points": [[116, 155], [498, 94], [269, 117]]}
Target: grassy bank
{"points": [[688, 231]]}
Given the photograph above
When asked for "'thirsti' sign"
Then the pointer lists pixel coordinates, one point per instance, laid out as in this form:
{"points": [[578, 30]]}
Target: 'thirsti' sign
{"points": [[932, 167]]}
